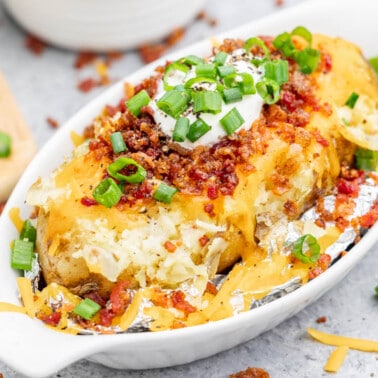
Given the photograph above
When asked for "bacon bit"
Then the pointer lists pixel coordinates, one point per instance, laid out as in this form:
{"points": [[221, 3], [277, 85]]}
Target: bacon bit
{"points": [[169, 246], [326, 63], [111, 56], [159, 298], [279, 2], [53, 319], [321, 140], [52, 122], [175, 36], [209, 208], [96, 297], [343, 253], [203, 16], [203, 240], [211, 288], [320, 222], [347, 187], [369, 218], [87, 201], [281, 184], [315, 272], [120, 298], [106, 317], [321, 319], [324, 261], [150, 52], [179, 302], [212, 192], [34, 44], [251, 372], [291, 208], [2, 205], [87, 85], [84, 58]]}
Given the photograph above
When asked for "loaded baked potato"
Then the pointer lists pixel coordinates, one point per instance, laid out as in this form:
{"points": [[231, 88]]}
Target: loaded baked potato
{"points": [[228, 191]]}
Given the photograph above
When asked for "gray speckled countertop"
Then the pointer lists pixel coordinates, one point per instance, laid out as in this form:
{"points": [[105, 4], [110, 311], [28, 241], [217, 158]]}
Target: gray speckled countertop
{"points": [[46, 86]]}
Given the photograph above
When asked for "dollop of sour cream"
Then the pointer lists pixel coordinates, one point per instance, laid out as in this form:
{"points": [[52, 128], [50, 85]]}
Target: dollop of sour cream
{"points": [[249, 107]]}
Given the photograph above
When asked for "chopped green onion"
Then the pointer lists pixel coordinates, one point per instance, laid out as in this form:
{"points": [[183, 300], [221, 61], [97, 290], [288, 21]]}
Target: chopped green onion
{"points": [[174, 102], [22, 254], [242, 80], [277, 70], [374, 63], [206, 70], [136, 102], [224, 71], [164, 193], [301, 31], [232, 121], [181, 129], [197, 129], [308, 59], [366, 159], [284, 43], [170, 73], [107, 193], [191, 60], [220, 58], [255, 41], [306, 249], [191, 83], [5, 145], [352, 99], [87, 308], [207, 102], [28, 232], [118, 144], [376, 291], [232, 95], [125, 162], [269, 90]]}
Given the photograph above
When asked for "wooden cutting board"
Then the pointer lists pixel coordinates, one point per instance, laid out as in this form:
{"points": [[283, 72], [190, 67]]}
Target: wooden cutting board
{"points": [[23, 146]]}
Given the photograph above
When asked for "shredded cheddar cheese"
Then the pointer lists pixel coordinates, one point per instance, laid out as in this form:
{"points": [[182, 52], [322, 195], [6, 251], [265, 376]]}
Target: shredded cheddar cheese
{"points": [[336, 340], [336, 359]]}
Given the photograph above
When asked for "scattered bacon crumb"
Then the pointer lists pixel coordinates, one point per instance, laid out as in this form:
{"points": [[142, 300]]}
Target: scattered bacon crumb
{"points": [[1, 375], [211, 288], [53, 319], [203, 240], [321, 319], [34, 44], [87, 85], [52, 122], [251, 372], [169, 246], [152, 51], [84, 58], [279, 2], [205, 17]]}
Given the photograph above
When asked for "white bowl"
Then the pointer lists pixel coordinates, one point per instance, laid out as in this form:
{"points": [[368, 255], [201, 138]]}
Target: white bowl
{"points": [[43, 351], [102, 24]]}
